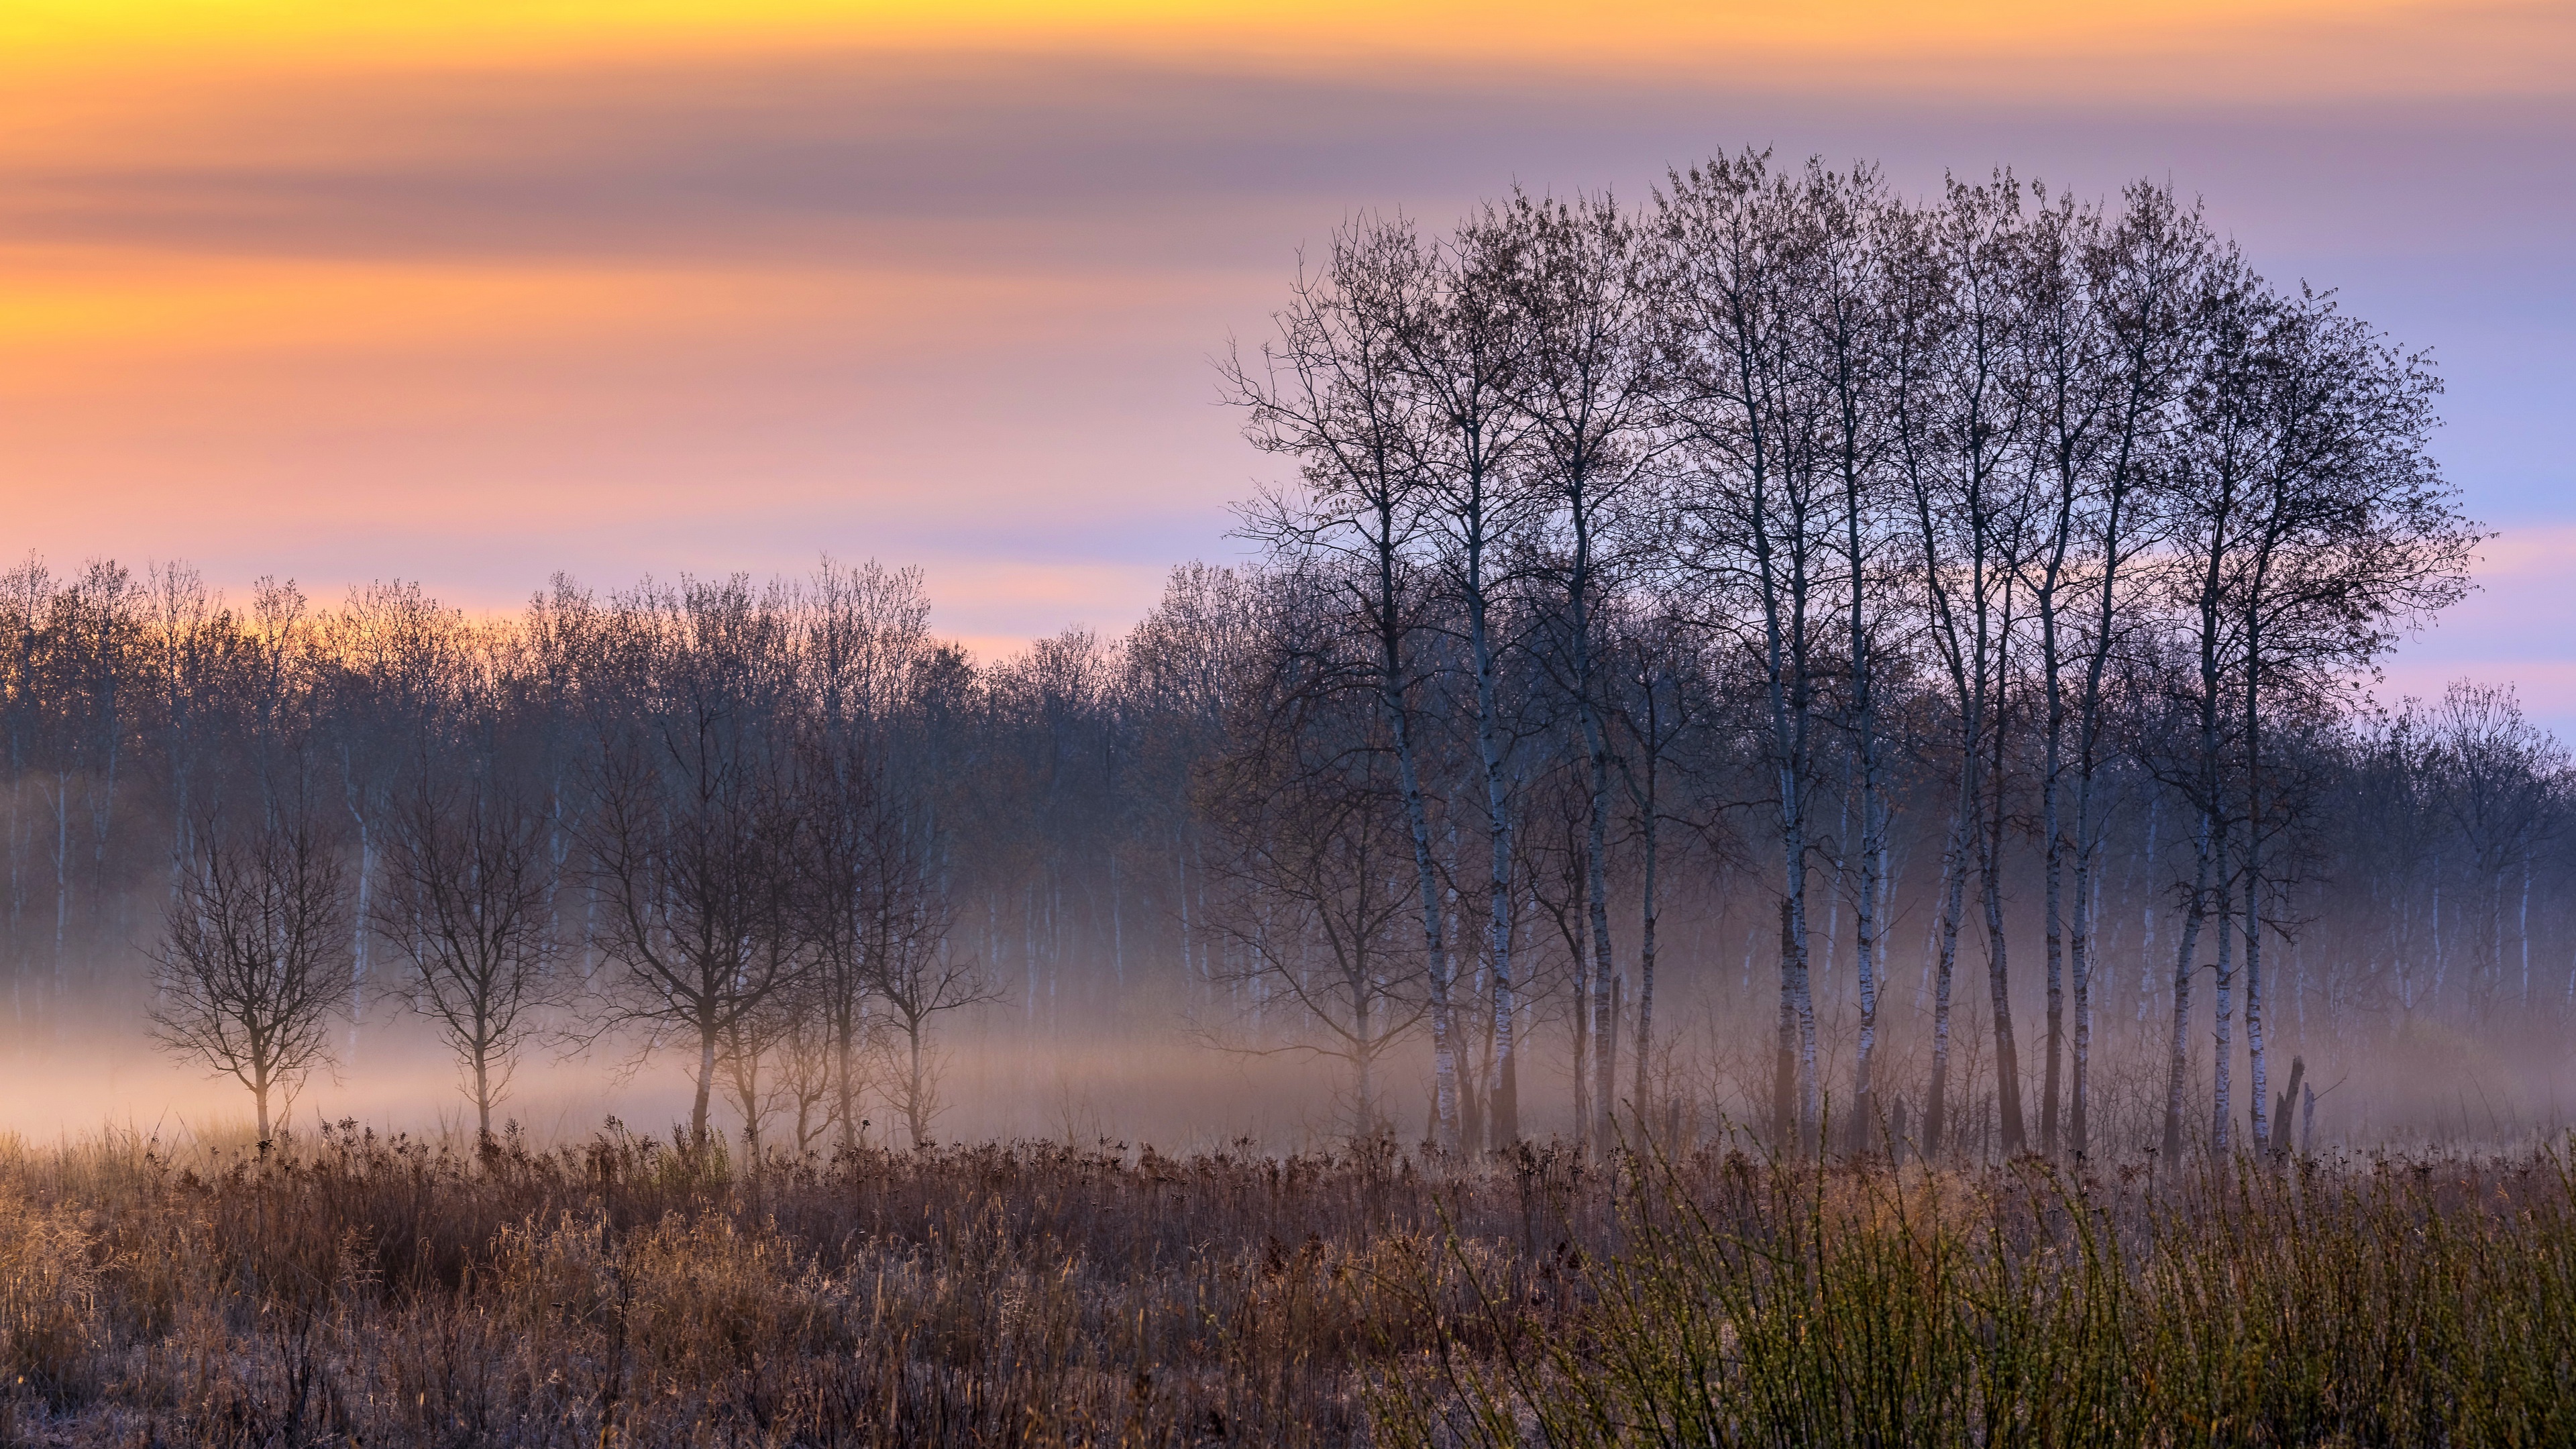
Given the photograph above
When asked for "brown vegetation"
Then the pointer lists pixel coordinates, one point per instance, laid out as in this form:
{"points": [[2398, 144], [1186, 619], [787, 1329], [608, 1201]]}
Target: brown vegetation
{"points": [[356, 1289]]}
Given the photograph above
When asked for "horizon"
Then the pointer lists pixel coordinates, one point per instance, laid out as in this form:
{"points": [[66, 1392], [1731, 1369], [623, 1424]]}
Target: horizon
{"points": [[346, 293], [1136, 721]]}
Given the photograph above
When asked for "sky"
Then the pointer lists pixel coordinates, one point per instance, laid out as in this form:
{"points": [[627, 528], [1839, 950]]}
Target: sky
{"points": [[474, 292]]}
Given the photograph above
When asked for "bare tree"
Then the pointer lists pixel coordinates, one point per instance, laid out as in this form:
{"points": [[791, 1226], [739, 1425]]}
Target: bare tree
{"points": [[2212, 484], [2351, 532], [697, 905], [468, 879], [1336, 393], [2068, 345], [1843, 352], [817, 1086], [863, 638], [1959, 421], [1461, 348], [878, 928], [2500, 779], [779, 1058], [253, 960], [695, 834], [1755, 515], [1312, 860], [2141, 280], [395, 658], [920, 976], [1589, 388], [838, 906], [1659, 703]]}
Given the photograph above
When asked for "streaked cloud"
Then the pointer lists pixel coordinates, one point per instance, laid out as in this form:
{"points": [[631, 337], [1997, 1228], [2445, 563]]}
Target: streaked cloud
{"points": [[344, 292], [2026, 47]]}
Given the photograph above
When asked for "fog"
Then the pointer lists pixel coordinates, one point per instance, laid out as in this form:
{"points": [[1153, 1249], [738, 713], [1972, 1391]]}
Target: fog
{"points": [[1790, 661], [2421, 1086]]}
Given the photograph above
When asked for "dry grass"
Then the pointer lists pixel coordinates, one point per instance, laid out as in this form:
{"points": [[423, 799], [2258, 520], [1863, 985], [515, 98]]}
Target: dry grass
{"points": [[2400, 1302], [360, 1289], [356, 1290]]}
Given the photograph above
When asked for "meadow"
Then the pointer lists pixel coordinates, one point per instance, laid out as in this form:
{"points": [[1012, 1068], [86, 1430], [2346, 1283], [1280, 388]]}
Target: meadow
{"points": [[348, 1288]]}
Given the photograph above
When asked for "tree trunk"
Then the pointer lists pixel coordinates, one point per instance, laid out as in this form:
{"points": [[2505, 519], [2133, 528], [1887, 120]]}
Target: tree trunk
{"points": [[747, 1081], [916, 1106], [1363, 1056], [845, 1086], [1998, 977], [2279, 1141], [358, 931], [1579, 1020], [1954, 889], [1503, 1111], [706, 1084], [1784, 1058], [2080, 969], [1873, 823], [1797, 1000], [1646, 953], [2522, 928], [2056, 872], [2261, 1082], [63, 881], [2007, 1051], [1864, 1105], [1444, 1032], [2222, 1032], [2179, 1056], [1605, 1090], [1610, 1066]]}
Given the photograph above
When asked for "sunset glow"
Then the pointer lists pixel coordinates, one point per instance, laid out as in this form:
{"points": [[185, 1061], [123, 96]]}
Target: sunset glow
{"points": [[2301, 46], [1305, 722], [317, 288]]}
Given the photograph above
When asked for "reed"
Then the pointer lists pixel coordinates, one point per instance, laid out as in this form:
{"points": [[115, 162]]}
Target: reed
{"points": [[2417, 1301], [347, 1288]]}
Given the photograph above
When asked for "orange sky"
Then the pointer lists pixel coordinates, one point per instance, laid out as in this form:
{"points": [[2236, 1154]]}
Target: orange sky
{"points": [[87, 75], [477, 290], [461, 27]]}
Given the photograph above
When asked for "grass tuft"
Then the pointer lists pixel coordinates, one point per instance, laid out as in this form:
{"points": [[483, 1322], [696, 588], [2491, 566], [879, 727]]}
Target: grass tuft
{"points": [[348, 1288]]}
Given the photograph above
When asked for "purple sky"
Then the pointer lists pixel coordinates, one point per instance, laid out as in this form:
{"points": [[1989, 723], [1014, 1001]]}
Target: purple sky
{"points": [[475, 327]]}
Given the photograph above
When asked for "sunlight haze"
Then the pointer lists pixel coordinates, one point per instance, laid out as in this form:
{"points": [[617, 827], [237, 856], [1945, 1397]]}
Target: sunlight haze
{"points": [[475, 292]]}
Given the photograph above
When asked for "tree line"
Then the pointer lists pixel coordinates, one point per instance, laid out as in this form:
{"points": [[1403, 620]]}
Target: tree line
{"points": [[1776, 512], [1683, 635]]}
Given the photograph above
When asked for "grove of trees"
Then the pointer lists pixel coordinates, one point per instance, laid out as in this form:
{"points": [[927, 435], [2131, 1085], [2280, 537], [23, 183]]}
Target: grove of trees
{"points": [[1683, 640]]}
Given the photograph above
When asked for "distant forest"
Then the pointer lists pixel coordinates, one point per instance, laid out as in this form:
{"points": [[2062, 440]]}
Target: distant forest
{"points": [[1870, 669]]}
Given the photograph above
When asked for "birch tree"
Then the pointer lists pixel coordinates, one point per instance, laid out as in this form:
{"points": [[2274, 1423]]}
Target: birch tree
{"points": [[1589, 392], [1462, 352], [1958, 417], [1334, 393], [1756, 509]]}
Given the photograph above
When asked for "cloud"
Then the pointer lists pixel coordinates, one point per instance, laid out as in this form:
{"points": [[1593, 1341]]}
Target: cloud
{"points": [[473, 325], [2309, 48], [2512, 630], [996, 159]]}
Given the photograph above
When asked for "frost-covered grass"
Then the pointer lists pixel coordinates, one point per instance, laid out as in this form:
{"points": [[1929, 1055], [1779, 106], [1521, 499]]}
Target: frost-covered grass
{"points": [[347, 1288]]}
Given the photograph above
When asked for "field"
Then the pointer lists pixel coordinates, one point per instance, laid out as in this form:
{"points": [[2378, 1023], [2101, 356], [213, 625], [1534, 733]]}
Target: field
{"points": [[351, 1289]]}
